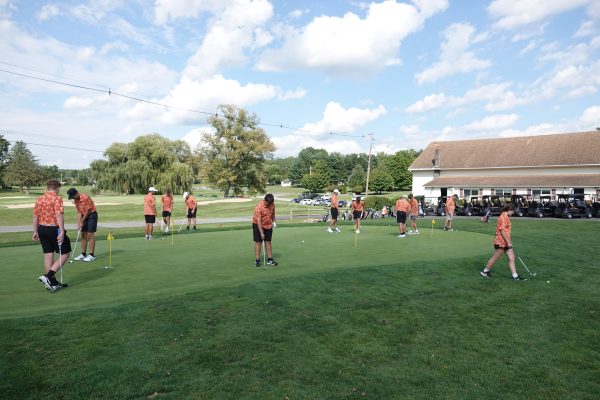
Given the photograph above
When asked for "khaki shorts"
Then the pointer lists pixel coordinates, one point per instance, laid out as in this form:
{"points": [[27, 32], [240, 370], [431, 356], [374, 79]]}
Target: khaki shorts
{"points": [[449, 216]]}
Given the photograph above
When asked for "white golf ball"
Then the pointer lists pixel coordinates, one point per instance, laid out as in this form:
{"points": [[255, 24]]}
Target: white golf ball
{"points": [[303, 241], [547, 281], [105, 267]]}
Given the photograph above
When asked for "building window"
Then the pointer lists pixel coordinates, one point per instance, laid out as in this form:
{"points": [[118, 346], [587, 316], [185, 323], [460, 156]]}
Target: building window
{"points": [[471, 193], [503, 192], [541, 192]]}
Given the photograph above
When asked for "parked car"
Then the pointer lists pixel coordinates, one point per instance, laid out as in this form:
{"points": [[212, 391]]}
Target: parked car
{"points": [[541, 207], [295, 200], [342, 203], [309, 196], [569, 206], [306, 202]]}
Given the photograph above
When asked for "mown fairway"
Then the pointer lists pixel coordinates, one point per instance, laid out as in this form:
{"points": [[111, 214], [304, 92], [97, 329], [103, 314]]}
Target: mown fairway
{"points": [[390, 318]]}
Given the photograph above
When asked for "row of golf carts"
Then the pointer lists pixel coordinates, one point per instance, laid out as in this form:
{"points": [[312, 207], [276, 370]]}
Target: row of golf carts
{"points": [[564, 206]]}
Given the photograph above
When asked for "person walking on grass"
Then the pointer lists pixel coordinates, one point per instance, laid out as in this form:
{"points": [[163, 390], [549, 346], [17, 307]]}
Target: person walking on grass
{"points": [[503, 244], [263, 222], [335, 210], [150, 212], [357, 207], [402, 208], [49, 229], [167, 208], [87, 222], [414, 213], [450, 206], [191, 206]]}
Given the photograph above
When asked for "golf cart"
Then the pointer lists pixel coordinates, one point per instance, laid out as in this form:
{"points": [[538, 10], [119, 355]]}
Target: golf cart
{"points": [[441, 206], [490, 205], [541, 207], [596, 208], [473, 207], [569, 206], [520, 204]]}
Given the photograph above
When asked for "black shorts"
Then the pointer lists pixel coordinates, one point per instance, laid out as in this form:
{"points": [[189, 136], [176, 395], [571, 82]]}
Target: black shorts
{"points": [[91, 223], [192, 213], [400, 217], [48, 236], [150, 219], [166, 214], [505, 248], [357, 214], [334, 213], [256, 234]]}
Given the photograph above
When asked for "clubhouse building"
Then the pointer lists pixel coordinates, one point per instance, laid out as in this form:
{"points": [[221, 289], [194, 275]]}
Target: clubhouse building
{"points": [[566, 163]]}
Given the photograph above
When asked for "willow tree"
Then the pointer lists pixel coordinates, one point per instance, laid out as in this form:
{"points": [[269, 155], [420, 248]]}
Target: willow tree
{"points": [[150, 160], [235, 154]]}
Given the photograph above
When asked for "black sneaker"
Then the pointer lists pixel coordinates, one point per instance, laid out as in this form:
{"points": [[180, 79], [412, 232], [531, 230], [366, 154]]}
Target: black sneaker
{"points": [[257, 263], [46, 282], [194, 227], [188, 228], [519, 278], [487, 274], [271, 262]]}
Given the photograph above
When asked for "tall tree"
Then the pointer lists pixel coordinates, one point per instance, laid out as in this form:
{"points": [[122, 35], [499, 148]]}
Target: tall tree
{"points": [[22, 169], [4, 145], [315, 182], [397, 165], [235, 154], [357, 177], [380, 180]]}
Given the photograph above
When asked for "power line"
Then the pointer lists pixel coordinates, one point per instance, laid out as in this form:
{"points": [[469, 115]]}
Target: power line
{"points": [[139, 99], [50, 136], [63, 147]]}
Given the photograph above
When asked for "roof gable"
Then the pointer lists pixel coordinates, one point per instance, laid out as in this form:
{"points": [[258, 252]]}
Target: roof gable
{"points": [[581, 148]]}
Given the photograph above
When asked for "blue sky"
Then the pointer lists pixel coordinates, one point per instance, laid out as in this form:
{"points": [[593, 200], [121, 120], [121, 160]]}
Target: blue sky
{"points": [[409, 72]]}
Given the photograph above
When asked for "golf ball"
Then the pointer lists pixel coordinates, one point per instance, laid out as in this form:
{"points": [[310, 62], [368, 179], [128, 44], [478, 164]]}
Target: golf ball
{"points": [[303, 241], [105, 267], [547, 281]]}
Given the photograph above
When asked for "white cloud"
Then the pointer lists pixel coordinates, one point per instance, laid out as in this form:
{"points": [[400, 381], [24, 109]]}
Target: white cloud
{"points": [[298, 93], [48, 11], [492, 123], [590, 119], [350, 45], [298, 13], [171, 10], [455, 57], [512, 14], [194, 137], [530, 46], [233, 29], [587, 28], [95, 10], [428, 103], [335, 119], [582, 91]]}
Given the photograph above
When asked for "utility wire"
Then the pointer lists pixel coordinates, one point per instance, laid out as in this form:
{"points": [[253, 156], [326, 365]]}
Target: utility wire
{"points": [[63, 147], [139, 99]]}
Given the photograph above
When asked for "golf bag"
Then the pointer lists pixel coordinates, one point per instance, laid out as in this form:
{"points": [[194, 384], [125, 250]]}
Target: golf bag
{"points": [[487, 216], [325, 217]]}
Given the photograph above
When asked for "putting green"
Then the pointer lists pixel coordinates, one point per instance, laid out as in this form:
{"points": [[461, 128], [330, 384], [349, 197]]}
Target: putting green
{"points": [[155, 269]]}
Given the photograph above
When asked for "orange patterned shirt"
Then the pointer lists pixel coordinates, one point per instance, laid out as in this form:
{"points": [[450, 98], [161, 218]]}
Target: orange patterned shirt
{"points": [[414, 206], [502, 225], [84, 204], [46, 207], [402, 205], [334, 201], [357, 206], [149, 204], [266, 214], [167, 202], [450, 205], [190, 202]]}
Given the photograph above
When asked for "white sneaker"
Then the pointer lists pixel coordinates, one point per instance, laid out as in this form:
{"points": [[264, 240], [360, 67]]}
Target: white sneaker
{"points": [[149, 237], [89, 258], [46, 282], [410, 232], [358, 231], [79, 257], [146, 237], [417, 232], [401, 236], [329, 230], [337, 230], [166, 229]]}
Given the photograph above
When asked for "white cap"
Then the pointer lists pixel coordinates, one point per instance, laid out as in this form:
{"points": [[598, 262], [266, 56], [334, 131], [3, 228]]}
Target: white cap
{"points": [[152, 189], [336, 191], [185, 194]]}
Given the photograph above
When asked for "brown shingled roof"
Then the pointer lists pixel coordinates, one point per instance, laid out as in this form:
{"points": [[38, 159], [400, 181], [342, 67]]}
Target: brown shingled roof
{"points": [[581, 148], [517, 181]]}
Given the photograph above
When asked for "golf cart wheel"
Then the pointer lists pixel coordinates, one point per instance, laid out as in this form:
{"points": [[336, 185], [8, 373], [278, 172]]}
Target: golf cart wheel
{"points": [[540, 214]]}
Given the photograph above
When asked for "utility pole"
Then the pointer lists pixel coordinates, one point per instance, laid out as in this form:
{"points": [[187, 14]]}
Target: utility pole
{"points": [[371, 140]]}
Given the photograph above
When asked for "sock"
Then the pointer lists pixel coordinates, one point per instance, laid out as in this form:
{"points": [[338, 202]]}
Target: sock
{"points": [[83, 254], [258, 260], [50, 274], [515, 275], [92, 254], [270, 259]]}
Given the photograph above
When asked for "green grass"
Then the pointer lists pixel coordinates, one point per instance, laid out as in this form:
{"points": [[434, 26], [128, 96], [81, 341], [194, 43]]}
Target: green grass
{"points": [[390, 318]]}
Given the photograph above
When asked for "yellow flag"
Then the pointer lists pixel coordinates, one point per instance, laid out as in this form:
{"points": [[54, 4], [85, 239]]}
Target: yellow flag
{"points": [[110, 236], [433, 222]]}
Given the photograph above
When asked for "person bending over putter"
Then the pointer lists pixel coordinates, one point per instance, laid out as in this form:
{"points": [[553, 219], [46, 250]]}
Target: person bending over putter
{"points": [[263, 222], [335, 210], [503, 244], [402, 208], [167, 208], [150, 212], [357, 207], [87, 222], [414, 213], [191, 206], [49, 229]]}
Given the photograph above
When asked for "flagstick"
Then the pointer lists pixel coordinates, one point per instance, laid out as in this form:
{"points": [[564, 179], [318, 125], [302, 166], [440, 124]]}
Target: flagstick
{"points": [[432, 223], [172, 231]]}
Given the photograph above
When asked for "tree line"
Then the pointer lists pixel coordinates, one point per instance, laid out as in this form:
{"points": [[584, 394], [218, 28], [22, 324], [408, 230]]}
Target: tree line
{"points": [[237, 158]]}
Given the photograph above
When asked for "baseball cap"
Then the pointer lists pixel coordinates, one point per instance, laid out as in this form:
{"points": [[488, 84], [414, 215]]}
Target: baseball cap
{"points": [[152, 189], [185, 194], [336, 191], [72, 193]]}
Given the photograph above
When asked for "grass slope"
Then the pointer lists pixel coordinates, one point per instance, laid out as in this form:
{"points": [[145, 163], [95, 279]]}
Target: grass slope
{"points": [[390, 319]]}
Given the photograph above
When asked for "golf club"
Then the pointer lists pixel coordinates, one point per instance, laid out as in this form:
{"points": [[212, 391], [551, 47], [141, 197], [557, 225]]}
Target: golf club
{"points": [[264, 250], [532, 274], [181, 226], [60, 260], [76, 241]]}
